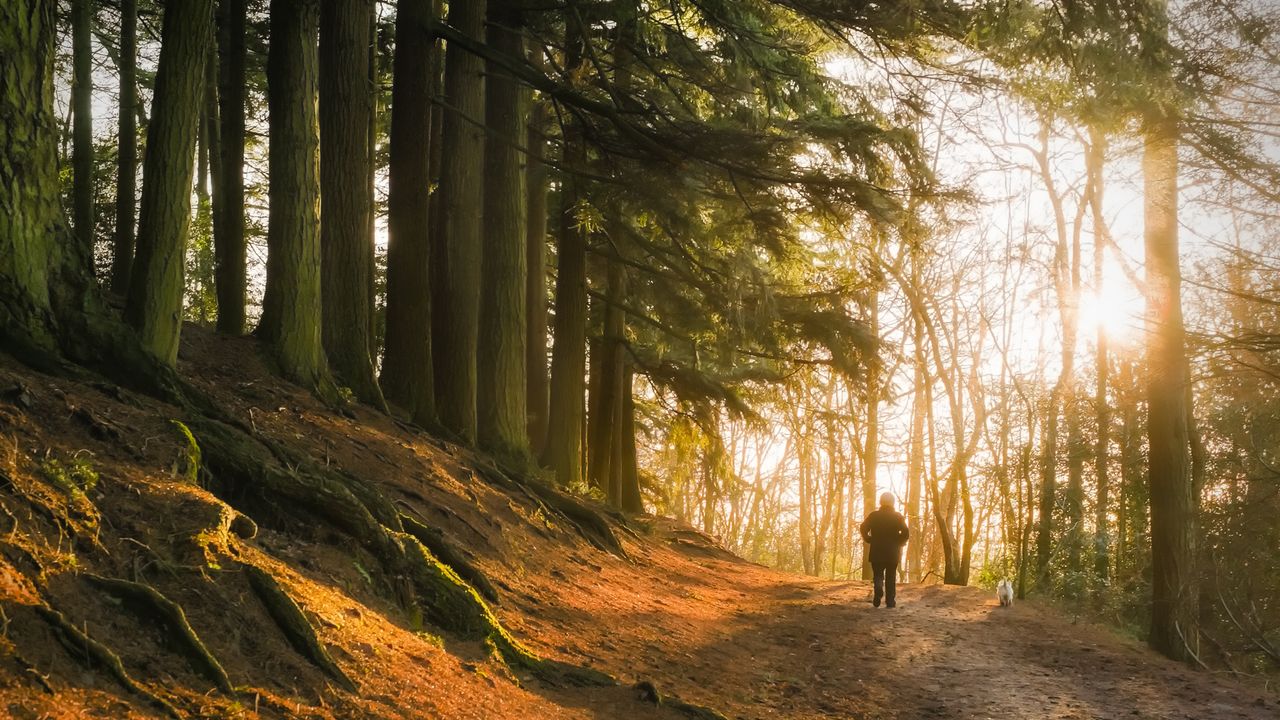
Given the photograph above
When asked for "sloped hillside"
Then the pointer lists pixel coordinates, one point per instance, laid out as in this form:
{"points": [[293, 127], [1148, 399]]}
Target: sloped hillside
{"points": [[284, 559]]}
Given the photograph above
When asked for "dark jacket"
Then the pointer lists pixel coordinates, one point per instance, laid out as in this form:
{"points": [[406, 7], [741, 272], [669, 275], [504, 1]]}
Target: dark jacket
{"points": [[886, 531]]}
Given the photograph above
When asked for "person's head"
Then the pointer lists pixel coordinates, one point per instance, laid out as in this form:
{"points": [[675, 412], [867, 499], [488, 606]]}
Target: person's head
{"points": [[886, 501]]}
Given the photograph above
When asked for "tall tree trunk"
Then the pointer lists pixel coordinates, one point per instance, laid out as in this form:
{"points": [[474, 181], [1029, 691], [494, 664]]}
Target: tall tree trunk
{"points": [[915, 460], [1066, 281], [500, 392], [291, 308], [871, 444], [229, 245], [461, 204], [407, 364], [1102, 411], [374, 100], [127, 172], [562, 451], [1048, 488], [806, 520], [208, 176], [49, 305], [630, 480], [536, 395], [31, 258], [154, 304], [82, 112], [345, 239], [1072, 409], [1173, 520], [608, 387]]}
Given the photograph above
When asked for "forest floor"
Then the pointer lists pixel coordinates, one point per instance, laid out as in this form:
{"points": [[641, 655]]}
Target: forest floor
{"points": [[672, 609]]}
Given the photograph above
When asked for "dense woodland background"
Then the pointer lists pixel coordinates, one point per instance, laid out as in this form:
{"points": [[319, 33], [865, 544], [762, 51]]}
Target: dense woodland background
{"points": [[746, 263]]}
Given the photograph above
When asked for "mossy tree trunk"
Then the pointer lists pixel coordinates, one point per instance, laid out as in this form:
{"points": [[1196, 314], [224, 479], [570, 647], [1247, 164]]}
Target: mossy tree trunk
{"points": [[407, 375], [536, 397], [154, 303], [229, 219], [30, 215], [461, 201], [127, 172], [49, 305], [500, 390], [345, 239], [82, 111], [291, 307], [562, 451]]}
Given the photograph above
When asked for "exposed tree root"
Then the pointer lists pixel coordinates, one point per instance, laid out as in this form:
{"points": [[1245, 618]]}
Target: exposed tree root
{"points": [[436, 542], [171, 614], [241, 465], [85, 647], [30, 668], [590, 523], [295, 625], [245, 472], [646, 691]]}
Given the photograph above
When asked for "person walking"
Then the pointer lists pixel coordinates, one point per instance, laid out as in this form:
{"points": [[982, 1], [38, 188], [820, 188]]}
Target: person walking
{"points": [[885, 531]]}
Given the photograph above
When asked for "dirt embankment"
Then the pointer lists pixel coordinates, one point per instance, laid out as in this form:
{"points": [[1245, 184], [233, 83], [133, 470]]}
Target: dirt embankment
{"points": [[102, 500]]}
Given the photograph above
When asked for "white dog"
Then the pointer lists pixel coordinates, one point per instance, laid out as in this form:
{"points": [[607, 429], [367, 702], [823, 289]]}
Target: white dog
{"points": [[1004, 591]]}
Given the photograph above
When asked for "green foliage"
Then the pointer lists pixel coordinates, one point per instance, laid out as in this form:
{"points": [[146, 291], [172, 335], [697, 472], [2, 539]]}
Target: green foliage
{"points": [[200, 299], [75, 477], [992, 572]]}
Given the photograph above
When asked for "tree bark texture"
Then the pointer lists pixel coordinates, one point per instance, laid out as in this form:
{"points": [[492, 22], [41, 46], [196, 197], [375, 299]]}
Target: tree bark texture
{"points": [[631, 498], [562, 451], [230, 249], [291, 307], [407, 364], [154, 304], [1101, 462], [606, 415], [536, 396], [345, 240], [461, 203], [1173, 521], [127, 168], [871, 441], [30, 214], [82, 111], [500, 392]]}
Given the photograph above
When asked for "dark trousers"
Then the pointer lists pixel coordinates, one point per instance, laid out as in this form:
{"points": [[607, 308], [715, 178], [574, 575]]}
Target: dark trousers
{"points": [[884, 576]]}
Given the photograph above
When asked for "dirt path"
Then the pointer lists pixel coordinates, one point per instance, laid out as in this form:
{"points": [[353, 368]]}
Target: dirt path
{"points": [[954, 653], [758, 644]]}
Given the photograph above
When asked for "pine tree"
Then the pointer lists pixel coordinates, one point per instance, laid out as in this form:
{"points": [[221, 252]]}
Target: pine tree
{"points": [[536, 397], [82, 108], [230, 246], [154, 304], [345, 237], [127, 173], [461, 200], [562, 451], [407, 376], [291, 307], [500, 389]]}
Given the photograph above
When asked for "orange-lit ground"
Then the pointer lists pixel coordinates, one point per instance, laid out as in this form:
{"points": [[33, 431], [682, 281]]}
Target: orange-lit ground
{"points": [[714, 630]]}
